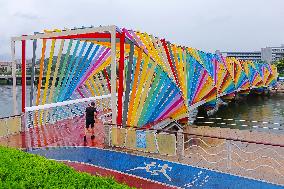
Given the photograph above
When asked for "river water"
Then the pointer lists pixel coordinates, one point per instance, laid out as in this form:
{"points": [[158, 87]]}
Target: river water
{"points": [[256, 113], [253, 113]]}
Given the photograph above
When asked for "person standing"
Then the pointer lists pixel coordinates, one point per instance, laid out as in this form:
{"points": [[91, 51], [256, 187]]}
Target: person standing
{"points": [[91, 113]]}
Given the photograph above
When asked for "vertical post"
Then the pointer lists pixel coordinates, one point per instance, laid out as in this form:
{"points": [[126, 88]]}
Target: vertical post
{"points": [[23, 92], [180, 145], [229, 154], [107, 135], [33, 72], [113, 74], [23, 75], [15, 111], [121, 75], [128, 82]]}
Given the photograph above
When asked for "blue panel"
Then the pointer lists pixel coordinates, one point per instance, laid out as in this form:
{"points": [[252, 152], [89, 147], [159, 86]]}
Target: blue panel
{"points": [[140, 139]]}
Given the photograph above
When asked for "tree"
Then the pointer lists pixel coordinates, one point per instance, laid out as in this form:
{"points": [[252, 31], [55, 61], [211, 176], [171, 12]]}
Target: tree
{"points": [[280, 66]]}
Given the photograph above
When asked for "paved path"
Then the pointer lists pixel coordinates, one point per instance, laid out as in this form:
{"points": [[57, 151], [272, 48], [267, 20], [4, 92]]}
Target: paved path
{"points": [[157, 171], [69, 132]]}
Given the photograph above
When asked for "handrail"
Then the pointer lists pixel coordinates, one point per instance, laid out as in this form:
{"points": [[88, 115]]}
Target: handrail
{"points": [[206, 136], [18, 115]]}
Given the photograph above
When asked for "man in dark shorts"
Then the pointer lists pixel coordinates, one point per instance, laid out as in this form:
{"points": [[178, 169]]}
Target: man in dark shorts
{"points": [[90, 120]]}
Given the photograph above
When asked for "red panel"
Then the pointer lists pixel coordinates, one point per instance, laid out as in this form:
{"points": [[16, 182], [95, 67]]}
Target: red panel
{"points": [[23, 75], [169, 59], [107, 78], [85, 35], [120, 82]]}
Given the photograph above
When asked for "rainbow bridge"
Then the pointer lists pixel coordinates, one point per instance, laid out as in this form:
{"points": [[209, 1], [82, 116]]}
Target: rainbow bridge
{"points": [[140, 79], [138, 82]]}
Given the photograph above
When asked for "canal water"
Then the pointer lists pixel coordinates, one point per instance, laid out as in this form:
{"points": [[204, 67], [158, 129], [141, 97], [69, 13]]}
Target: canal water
{"points": [[255, 112]]}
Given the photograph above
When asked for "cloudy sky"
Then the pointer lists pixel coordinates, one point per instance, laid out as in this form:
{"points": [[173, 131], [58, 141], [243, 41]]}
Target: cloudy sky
{"points": [[227, 25]]}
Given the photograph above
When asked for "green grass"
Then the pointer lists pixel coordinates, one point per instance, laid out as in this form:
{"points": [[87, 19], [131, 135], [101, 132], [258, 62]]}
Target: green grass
{"points": [[23, 170]]}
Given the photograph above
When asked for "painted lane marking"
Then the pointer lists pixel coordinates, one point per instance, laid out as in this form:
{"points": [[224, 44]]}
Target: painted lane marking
{"points": [[147, 167], [129, 179]]}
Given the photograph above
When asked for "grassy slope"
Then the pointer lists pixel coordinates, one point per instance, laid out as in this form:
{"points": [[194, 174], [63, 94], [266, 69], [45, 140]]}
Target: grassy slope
{"points": [[23, 170]]}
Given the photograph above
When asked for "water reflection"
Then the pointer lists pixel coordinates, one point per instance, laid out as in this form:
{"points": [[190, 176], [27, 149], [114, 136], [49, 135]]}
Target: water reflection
{"points": [[254, 108]]}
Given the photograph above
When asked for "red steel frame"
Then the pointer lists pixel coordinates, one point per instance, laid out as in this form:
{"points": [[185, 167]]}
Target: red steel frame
{"points": [[82, 36], [120, 81], [23, 75]]}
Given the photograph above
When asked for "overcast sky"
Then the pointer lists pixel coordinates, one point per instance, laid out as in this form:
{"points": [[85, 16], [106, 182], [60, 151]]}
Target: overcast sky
{"points": [[227, 25]]}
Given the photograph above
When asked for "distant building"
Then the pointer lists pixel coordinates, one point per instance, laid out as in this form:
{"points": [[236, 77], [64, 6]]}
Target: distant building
{"points": [[272, 54], [244, 55], [268, 54], [5, 66]]}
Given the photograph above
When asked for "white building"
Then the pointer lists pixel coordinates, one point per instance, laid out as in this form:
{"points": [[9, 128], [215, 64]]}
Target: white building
{"points": [[271, 54], [268, 54], [256, 55]]}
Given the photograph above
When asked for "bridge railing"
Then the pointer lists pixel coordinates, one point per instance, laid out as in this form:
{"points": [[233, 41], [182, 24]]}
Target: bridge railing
{"points": [[10, 125], [253, 159], [133, 138], [241, 157]]}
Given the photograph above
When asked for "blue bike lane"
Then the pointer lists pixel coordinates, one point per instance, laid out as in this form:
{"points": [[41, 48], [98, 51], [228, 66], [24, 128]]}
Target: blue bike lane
{"points": [[156, 170]]}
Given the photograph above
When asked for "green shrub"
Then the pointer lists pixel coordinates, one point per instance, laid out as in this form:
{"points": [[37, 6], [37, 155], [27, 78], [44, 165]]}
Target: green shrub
{"points": [[23, 170]]}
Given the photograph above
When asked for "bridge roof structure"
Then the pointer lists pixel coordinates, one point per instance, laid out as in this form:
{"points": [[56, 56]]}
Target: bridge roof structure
{"points": [[149, 79]]}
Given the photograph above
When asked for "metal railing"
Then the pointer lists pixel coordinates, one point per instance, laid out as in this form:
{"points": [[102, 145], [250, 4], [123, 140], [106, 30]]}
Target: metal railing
{"points": [[10, 125], [246, 158]]}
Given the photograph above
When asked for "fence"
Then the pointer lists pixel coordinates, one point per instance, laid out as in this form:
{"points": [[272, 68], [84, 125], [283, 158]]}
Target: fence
{"points": [[245, 158], [236, 156], [10, 125], [150, 141]]}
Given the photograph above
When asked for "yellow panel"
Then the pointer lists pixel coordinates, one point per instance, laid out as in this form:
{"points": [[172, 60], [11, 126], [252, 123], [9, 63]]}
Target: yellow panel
{"points": [[166, 144], [131, 139], [14, 125], [118, 136], [3, 128], [151, 145]]}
